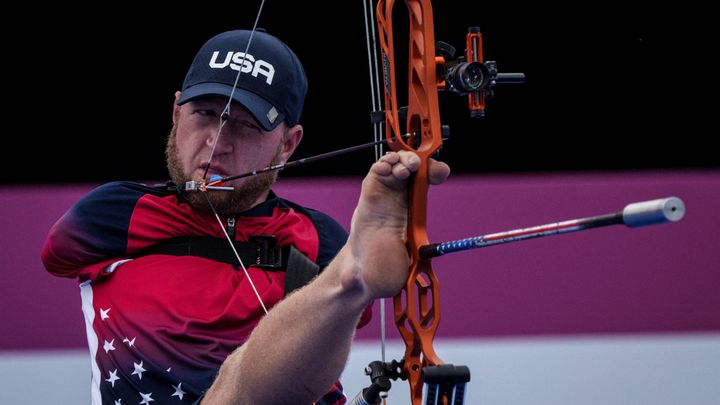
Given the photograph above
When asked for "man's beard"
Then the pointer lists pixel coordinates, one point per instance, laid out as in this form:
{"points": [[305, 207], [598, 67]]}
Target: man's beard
{"points": [[242, 198]]}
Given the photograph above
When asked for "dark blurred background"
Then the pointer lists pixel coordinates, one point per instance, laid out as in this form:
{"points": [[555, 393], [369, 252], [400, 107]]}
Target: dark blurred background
{"points": [[609, 86]]}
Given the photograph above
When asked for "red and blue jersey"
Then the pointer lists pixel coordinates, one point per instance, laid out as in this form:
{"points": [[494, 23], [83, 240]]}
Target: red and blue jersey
{"points": [[159, 326]]}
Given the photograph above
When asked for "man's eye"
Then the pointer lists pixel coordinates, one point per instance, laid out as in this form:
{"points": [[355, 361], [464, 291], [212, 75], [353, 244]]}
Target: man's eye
{"points": [[244, 126], [207, 113], [249, 125]]}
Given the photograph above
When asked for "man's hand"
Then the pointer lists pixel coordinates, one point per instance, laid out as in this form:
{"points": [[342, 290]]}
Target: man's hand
{"points": [[377, 234]]}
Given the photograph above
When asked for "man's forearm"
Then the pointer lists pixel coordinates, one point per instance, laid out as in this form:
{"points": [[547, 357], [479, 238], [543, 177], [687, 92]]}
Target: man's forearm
{"points": [[300, 348]]}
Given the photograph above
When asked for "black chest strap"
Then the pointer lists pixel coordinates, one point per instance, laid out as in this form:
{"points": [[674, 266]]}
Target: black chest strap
{"points": [[259, 251]]}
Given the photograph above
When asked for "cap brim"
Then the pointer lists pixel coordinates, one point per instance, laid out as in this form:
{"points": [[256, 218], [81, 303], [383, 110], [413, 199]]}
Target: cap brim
{"points": [[256, 105]]}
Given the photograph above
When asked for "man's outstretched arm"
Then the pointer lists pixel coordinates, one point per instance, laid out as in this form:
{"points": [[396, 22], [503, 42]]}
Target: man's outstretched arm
{"points": [[300, 348]]}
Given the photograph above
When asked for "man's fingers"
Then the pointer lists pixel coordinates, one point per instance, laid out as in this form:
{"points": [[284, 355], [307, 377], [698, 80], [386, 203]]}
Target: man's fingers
{"points": [[409, 159], [402, 164], [439, 172]]}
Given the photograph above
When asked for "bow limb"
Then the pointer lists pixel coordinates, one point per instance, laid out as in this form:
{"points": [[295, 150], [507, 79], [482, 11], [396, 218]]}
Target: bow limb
{"points": [[417, 308]]}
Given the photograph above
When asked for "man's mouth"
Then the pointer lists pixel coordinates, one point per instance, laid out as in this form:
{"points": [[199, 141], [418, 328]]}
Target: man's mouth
{"points": [[212, 172]]}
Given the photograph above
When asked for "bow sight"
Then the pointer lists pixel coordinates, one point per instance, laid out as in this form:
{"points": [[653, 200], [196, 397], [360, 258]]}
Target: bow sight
{"points": [[469, 74]]}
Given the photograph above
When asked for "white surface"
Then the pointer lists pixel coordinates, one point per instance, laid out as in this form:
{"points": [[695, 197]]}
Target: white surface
{"points": [[638, 370], [632, 370]]}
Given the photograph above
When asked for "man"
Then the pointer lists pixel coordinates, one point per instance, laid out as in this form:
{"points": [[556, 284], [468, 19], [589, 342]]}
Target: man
{"points": [[171, 314]]}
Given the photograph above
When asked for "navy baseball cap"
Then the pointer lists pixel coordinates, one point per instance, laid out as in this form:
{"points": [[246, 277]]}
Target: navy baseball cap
{"points": [[272, 82]]}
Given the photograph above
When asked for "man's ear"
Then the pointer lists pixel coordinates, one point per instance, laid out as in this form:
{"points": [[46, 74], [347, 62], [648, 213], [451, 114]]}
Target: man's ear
{"points": [[292, 140], [176, 107]]}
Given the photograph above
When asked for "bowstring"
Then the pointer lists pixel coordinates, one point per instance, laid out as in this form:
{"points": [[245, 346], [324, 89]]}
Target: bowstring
{"points": [[221, 124], [237, 256], [375, 96]]}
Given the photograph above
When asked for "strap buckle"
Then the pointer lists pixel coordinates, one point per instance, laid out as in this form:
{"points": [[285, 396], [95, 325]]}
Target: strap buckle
{"points": [[268, 255]]}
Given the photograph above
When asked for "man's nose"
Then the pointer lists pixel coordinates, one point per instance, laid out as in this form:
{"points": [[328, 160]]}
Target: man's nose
{"points": [[222, 145]]}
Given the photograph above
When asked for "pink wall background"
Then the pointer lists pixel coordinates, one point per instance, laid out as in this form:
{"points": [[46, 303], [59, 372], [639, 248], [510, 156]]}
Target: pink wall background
{"points": [[658, 279]]}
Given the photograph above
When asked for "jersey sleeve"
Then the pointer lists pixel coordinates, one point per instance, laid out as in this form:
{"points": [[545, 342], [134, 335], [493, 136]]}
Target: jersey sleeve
{"points": [[332, 236], [93, 231]]}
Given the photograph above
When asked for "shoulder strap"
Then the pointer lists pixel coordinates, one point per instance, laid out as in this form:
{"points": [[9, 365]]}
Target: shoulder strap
{"points": [[259, 251], [299, 269]]}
